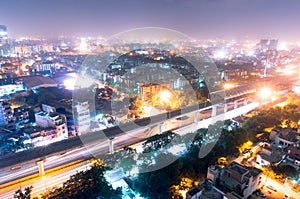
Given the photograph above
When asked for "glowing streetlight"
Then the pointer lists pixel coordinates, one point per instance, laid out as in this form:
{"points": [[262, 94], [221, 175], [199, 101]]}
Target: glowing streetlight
{"points": [[265, 93], [83, 45], [220, 54], [165, 95], [227, 86]]}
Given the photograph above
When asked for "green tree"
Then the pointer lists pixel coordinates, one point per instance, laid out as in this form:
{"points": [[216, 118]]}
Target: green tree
{"points": [[85, 184], [286, 171], [127, 163], [19, 194], [156, 184]]}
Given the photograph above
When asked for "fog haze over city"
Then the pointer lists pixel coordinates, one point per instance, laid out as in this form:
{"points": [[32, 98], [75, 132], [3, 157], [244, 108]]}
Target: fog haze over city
{"points": [[203, 19], [154, 99]]}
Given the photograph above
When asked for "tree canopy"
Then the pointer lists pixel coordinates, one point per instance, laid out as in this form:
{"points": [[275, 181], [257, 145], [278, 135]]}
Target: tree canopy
{"points": [[85, 184]]}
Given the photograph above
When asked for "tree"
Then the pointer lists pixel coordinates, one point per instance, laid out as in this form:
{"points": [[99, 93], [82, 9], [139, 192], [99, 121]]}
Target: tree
{"points": [[156, 184], [286, 171], [85, 184], [127, 163], [273, 117], [135, 108], [19, 194]]}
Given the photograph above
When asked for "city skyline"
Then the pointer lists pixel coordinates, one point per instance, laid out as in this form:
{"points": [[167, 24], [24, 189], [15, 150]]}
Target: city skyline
{"points": [[224, 19]]}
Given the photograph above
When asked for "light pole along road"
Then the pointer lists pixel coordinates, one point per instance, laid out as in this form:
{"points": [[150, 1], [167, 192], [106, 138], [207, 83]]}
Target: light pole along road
{"points": [[40, 183]]}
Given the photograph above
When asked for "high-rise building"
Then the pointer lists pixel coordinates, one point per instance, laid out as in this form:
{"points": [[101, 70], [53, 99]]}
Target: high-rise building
{"points": [[268, 44], [6, 116], [273, 43], [82, 117], [264, 44], [5, 113], [5, 48], [3, 35]]}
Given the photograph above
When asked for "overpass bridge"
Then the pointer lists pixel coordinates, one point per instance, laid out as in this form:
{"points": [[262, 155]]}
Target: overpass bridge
{"points": [[173, 120]]}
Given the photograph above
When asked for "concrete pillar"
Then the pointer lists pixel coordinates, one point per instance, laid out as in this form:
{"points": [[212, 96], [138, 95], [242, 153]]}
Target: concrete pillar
{"points": [[225, 108], [196, 116], [160, 128], [214, 110], [40, 165], [111, 145], [235, 104]]}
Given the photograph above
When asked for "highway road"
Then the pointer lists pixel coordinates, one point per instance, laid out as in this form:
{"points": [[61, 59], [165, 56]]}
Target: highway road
{"points": [[43, 183], [24, 157], [100, 147]]}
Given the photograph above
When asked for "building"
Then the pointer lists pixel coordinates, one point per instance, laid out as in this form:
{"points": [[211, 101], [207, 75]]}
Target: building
{"points": [[5, 47], [11, 85], [82, 117], [58, 121], [9, 68], [44, 68], [284, 137], [269, 44], [39, 136], [205, 190], [21, 117], [48, 108], [149, 90], [273, 43], [143, 67], [269, 155], [293, 155], [3, 35], [38, 82], [264, 44], [28, 49], [6, 116], [239, 180]]}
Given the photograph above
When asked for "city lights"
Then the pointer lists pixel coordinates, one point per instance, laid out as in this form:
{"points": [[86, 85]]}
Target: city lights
{"points": [[77, 81], [265, 93], [282, 46], [221, 54], [228, 86], [165, 96], [90, 110], [83, 45]]}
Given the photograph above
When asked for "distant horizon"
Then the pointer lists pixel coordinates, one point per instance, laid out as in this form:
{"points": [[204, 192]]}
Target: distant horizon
{"points": [[94, 36], [200, 19]]}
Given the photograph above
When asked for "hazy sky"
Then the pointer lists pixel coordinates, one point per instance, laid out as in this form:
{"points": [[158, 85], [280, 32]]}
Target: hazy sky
{"points": [[200, 19]]}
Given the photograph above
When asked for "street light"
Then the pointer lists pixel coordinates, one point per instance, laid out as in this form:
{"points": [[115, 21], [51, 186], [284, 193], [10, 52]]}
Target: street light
{"points": [[228, 86], [165, 95], [265, 93]]}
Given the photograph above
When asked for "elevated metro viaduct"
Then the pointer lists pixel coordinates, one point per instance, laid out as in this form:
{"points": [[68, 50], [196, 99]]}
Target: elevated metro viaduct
{"points": [[233, 99]]}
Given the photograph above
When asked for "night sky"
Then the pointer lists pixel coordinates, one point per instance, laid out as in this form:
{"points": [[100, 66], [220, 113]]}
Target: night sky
{"points": [[200, 19]]}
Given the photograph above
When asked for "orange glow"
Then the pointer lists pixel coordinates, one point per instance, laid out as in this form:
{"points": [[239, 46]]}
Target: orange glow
{"points": [[228, 86], [265, 93], [165, 95]]}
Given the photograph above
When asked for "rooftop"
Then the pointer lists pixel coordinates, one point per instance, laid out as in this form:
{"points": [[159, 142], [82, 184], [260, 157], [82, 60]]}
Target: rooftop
{"points": [[38, 81], [254, 171], [206, 190], [193, 191], [274, 157], [34, 129], [238, 168], [289, 134]]}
